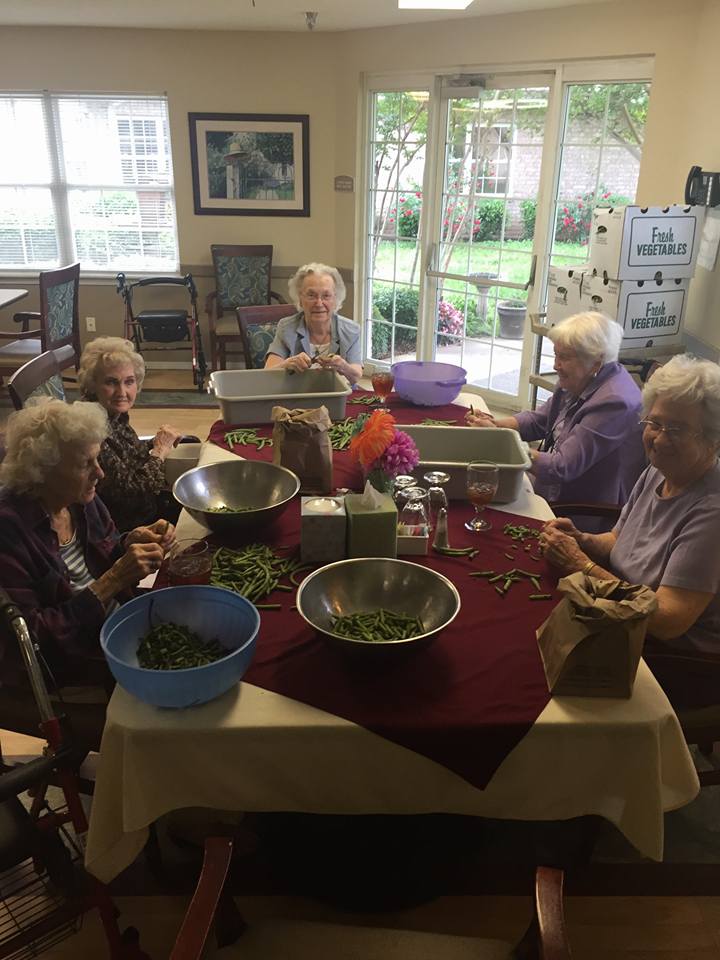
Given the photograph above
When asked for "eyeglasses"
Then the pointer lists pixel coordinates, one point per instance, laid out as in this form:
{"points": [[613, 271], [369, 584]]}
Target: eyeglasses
{"points": [[672, 433], [326, 296]]}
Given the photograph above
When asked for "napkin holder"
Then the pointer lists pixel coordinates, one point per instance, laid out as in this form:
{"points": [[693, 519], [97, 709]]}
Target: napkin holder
{"points": [[323, 529], [371, 524]]}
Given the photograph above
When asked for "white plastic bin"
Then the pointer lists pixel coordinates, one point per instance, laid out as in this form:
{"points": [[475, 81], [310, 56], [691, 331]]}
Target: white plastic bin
{"points": [[451, 448], [248, 396]]}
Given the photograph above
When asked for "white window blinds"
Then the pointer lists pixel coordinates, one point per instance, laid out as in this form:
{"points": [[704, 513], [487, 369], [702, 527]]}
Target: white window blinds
{"points": [[86, 178]]}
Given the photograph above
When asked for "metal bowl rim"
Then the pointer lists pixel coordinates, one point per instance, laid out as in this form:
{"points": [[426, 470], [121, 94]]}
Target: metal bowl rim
{"points": [[385, 643], [270, 506]]}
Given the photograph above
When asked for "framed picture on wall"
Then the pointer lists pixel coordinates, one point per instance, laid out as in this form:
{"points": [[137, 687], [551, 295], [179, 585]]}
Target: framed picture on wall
{"points": [[250, 164]]}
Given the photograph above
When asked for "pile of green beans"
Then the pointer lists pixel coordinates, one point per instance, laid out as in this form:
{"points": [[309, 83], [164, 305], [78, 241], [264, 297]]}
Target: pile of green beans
{"points": [[509, 578], [246, 438], [225, 509], [171, 647], [253, 571], [429, 422], [368, 400], [378, 626], [341, 433], [520, 532]]}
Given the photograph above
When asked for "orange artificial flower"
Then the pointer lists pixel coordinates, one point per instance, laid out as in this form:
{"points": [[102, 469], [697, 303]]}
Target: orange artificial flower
{"points": [[374, 438]]}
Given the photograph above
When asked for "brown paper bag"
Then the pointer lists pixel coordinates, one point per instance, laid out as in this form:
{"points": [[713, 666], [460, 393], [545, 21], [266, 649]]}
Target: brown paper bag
{"points": [[302, 444], [592, 641]]}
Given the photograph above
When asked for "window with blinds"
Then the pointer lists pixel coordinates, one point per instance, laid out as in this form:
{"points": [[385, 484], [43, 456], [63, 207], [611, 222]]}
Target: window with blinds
{"points": [[86, 178]]}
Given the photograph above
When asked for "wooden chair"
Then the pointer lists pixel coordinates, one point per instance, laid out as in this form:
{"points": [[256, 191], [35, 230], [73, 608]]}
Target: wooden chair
{"points": [[257, 330], [40, 376], [56, 325], [277, 940], [242, 279]]}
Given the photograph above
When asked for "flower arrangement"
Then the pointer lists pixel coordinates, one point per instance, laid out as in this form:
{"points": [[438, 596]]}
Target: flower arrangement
{"points": [[382, 450]]}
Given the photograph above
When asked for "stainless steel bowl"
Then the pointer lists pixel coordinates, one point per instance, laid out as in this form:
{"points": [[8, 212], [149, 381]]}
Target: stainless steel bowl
{"points": [[372, 583], [262, 486]]}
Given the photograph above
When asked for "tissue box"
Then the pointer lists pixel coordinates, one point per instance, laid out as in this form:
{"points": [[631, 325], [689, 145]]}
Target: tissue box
{"points": [[634, 243], [371, 532], [323, 529], [563, 295], [651, 312]]}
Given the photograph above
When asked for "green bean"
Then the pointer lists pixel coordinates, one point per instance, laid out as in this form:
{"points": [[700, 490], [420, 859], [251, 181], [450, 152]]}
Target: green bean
{"points": [[370, 399], [225, 509], [254, 571], [483, 573], [377, 626], [540, 596], [248, 437], [341, 433], [517, 531], [455, 552], [429, 422], [168, 646], [500, 591]]}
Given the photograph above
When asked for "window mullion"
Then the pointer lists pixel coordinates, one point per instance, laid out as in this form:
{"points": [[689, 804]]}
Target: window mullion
{"points": [[58, 190]]}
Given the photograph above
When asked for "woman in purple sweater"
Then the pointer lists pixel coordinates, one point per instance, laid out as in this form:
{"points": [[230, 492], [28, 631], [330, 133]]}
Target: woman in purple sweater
{"points": [[591, 450], [668, 532]]}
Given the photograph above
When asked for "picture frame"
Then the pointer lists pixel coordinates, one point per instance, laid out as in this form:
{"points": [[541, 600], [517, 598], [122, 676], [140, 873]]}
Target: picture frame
{"points": [[250, 164]]}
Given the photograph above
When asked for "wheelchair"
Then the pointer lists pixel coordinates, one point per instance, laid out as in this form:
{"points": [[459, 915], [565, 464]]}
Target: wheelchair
{"points": [[150, 328]]}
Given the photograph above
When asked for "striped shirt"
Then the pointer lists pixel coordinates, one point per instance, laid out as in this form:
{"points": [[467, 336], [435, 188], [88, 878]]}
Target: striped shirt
{"points": [[80, 577]]}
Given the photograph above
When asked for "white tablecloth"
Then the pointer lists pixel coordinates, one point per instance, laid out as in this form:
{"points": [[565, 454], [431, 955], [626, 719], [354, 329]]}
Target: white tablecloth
{"points": [[625, 760]]}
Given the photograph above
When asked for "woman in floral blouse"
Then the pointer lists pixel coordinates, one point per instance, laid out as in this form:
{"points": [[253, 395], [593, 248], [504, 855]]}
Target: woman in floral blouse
{"points": [[134, 490]]}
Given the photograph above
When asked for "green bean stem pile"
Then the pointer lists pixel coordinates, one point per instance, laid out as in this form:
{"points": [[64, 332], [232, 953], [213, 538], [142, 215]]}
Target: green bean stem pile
{"points": [[171, 647], [368, 400], [378, 626], [429, 422], [225, 509], [245, 438], [520, 532], [509, 578], [253, 572], [341, 433]]}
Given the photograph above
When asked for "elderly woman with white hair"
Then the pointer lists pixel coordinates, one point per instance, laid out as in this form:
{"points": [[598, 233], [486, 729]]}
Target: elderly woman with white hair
{"points": [[133, 487], [591, 450], [317, 334], [668, 532]]}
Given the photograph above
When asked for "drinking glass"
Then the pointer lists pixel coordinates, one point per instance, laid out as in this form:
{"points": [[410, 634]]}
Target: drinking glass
{"points": [[382, 384], [436, 493], [402, 483], [190, 562], [482, 484], [414, 514]]}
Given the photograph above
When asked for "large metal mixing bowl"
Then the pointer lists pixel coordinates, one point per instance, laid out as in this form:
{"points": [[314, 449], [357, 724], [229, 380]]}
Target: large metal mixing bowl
{"points": [[263, 487], [373, 583]]}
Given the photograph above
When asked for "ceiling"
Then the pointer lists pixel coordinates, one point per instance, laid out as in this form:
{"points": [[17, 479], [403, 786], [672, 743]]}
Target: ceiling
{"points": [[247, 14]]}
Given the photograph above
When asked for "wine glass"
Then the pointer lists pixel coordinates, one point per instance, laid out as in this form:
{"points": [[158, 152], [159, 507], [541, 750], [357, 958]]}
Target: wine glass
{"points": [[413, 520], [482, 484], [382, 384], [400, 484], [436, 492]]}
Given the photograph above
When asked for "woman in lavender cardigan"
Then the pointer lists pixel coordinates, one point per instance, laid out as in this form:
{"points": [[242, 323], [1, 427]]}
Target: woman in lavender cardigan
{"points": [[591, 450]]}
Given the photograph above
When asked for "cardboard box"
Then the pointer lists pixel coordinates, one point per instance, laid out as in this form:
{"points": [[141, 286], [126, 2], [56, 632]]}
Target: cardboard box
{"points": [[412, 546], [651, 312], [371, 532], [563, 296], [636, 243], [323, 529]]}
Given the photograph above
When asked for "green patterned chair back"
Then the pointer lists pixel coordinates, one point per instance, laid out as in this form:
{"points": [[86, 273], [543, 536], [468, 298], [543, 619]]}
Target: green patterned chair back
{"points": [[59, 308], [242, 275], [61, 305], [260, 336], [52, 388]]}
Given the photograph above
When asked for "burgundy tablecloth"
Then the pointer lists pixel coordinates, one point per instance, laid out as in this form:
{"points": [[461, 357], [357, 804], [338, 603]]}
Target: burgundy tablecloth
{"points": [[346, 472], [466, 699]]}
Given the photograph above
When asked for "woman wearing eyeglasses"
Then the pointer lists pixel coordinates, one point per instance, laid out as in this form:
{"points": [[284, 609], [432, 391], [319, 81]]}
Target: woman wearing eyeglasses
{"points": [[591, 451], [317, 336], [668, 534]]}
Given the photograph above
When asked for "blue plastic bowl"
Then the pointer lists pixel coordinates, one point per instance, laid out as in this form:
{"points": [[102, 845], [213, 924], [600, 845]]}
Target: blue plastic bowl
{"points": [[211, 612], [426, 383]]}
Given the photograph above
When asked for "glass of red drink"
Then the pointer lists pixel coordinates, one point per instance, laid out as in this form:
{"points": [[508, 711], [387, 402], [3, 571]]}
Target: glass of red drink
{"points": [[482, 484], [190, 562], [382, 384]]}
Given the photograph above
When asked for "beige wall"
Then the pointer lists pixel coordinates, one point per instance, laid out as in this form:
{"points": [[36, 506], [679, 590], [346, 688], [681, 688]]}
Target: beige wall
{"points": [[320, 74]]}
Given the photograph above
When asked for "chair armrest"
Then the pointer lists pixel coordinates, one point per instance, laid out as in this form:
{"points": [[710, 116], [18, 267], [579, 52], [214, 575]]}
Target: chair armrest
{"points": [[26, 317], [199, 917], [211, 303], [23, 334], [277, 297]]}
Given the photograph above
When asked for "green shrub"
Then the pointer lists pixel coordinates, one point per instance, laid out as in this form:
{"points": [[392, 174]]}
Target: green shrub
{"points": [[488, 220], [529, 212], [406, 315], [408, 215], [574, 218]]}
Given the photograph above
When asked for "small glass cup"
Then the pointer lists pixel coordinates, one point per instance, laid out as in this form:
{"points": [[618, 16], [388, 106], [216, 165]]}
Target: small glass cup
{"points": [[190, 562], [436, 493], [382, 384], [413, 520], [482, 484], [402, 483]]}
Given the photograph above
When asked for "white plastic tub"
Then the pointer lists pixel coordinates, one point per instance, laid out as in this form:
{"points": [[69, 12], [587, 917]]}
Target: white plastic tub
{"points": [[248, 396], [451, 448]]}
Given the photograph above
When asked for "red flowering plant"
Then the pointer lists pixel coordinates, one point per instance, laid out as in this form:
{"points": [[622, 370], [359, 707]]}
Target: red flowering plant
{"points": [[383, 451]]}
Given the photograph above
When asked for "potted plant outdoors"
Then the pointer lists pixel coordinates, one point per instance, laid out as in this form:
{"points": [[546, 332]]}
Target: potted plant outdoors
{"points": [[511, 316]]}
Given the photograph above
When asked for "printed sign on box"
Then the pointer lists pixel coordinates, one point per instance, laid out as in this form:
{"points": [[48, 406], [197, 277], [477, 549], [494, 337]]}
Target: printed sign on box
{"points": [[563, 297], [650, 312], [636, 243]]}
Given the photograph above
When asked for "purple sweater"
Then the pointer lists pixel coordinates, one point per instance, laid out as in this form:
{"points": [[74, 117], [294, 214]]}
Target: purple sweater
{"points": [[598, 453], [65, 625]]}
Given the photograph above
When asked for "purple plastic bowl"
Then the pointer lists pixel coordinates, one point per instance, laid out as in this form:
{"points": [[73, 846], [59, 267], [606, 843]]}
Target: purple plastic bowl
{"points": [[426, 383]]}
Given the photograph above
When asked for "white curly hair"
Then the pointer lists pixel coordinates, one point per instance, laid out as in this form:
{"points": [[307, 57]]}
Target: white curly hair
{"points": [[688, 380], [295, 282], [591, 335], [104, 353]]}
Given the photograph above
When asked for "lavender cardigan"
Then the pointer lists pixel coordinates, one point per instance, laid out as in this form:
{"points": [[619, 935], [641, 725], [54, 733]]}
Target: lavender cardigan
{"points": [[598, 453]]}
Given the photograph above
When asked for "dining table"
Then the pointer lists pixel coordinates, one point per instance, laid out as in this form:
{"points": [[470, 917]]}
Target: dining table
{"points": [[464, 725], [10, 296]]}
